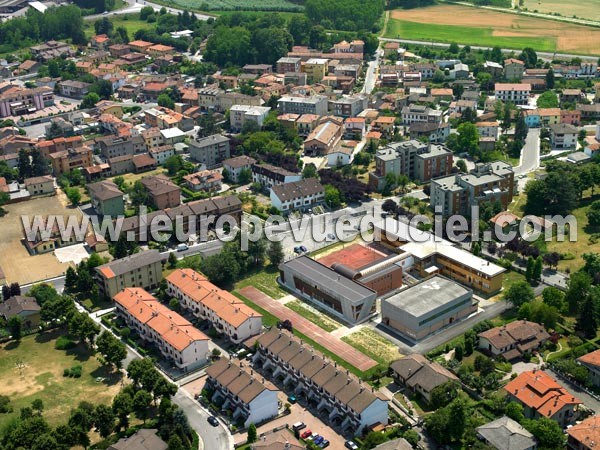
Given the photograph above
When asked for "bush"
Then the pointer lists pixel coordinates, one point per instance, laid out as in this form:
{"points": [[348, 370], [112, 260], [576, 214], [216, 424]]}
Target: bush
{"points": [[73, 372], [5, 406], [64, 343]]}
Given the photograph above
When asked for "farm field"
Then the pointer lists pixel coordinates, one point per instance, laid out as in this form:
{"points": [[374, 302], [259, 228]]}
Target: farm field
{"points": [[41, 377], [240, 5], [460, 24], [588, 9]]}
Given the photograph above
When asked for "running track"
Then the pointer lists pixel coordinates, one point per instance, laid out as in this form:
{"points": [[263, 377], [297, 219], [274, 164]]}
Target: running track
{"points": [[309, 329]]}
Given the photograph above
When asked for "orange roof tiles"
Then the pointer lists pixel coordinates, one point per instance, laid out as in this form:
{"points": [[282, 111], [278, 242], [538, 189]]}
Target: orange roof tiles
{"points": [[592, 359], [107, 272], [586, 432], [225, 305], [541, 392], [172, 328]]}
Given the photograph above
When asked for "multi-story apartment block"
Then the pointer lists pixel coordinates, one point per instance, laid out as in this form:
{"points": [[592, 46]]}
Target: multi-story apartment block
{"points": [[16, 100], [418, 113], [297, 195], [106, 198], [487, 183], [288, 64], [563, 135], [67, 160], [226, 100], [315, 69], [268, 175], [517, 93], [176, 338], [249, 399], [416, 160], [239, 115], [234, 166], [348, 106], [316, 104], [514, 69], [339, 396], [323, 139], [211, 150], [228, 314], [142, 269], [112, 146], [162, 191], [207, 98]]}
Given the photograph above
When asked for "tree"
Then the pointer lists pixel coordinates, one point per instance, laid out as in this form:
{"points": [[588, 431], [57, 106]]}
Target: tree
{"points": [[537, 268], [251, 434], [458, 352], [104, 420], [550, 79], [587, 322], [529, 269], [141, 404], [547, 431], [165, 101], [547, 100], [15, 289], [309, 171], [172, 260], [529, 57], [113, 350], [173, 164], [514, 410], [175, 443], [38, 406], [275, 253], [25, 169], [554, 297], [470, 340], [5, 292], [122, 406], [468, 138], [461, 165], [90, 100], [519, 293], [458, 419], [443, 394], [578, 289], [332, 196], [70, 280], [438, 76], [15, 327], [73, 195]]}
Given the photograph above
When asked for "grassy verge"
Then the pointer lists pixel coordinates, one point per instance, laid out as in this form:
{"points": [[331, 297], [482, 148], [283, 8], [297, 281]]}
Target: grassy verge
{"points": [[316, 317], [373, 345], [131, 22], [264, 280]]}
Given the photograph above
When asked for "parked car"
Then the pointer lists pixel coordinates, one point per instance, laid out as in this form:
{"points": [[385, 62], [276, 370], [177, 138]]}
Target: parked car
{"points": [[182, 247], [297, 249], [318, 440], [213, 421], [292, 399], [324, 443], [303, 249], [306, 434], [350, 445], [298, 426]]}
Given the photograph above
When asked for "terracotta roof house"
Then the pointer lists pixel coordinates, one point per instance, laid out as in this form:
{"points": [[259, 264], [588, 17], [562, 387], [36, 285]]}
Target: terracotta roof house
{"points": [[24, 307], [584, 435], [506, 434], [421, 375], [592, 362], [229, 315], [513, 339], [542, 396]]}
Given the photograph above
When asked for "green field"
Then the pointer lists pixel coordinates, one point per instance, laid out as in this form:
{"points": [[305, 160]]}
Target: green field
{"points": [[130, 22], [404, 29], [33, 369], [585, 9]]}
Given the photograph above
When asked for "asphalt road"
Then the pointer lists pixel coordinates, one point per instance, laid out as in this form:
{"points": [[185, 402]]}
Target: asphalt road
{"points": [[530, 154], [586, 398], [134, 6], [544, 55]]}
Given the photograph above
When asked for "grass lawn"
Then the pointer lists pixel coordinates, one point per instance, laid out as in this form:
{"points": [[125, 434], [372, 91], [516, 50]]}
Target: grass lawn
{"points": [[373, 345], [131, 22], [42, 377], [133, 177], [476, 26], [264, 280], [318, 318], [96, 306], [588, 9], [511, 277]]}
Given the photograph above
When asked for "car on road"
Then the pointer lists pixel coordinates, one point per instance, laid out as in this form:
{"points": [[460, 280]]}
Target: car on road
{"points": [[306, 434], [182, 247], [350, 445], [331, 237], [213, 421], [297, 249], [303, 249]]}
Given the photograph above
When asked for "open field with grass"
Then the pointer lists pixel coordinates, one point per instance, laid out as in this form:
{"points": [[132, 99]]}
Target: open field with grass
{"points": [[246, 5], [42, 377], [584, 9], [318, 318], [131, 22], [373, 345], [133, 177], [475, 26], [265, 280]]}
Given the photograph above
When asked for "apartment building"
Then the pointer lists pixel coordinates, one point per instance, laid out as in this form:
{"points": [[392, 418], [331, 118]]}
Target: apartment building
{"points": [[211, 150], [106, 198], [350, 106], [205, 180], [541, 396], [239, 115], [229, 315], [514, 69], [487, 183], [73, 88], [67, 160], [112, 146], [416, 160], [226, 100], [288, 64], [268, 175], [563, 136], [298, 195], [143, 269], [16, 100], [488, 129], [315, 69], [176, 338], [40, 185], [317, 104], [235, 166], [324, 138], [340, 398], [162, 191], [418, 113], [436, 133], [517, 93], [249, 399]]}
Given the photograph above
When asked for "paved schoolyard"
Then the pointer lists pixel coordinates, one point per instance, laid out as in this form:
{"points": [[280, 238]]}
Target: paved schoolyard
{"points": [[72, 253], [309, 329]]}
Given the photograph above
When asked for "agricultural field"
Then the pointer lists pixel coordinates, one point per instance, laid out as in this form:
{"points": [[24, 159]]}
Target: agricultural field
{"points": [[460, 24], [240, 5], [33, 368], [588, 9]]}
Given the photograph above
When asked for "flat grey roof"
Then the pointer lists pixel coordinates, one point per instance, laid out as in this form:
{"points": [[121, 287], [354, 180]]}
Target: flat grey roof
{"points": [[323, 275], [427, 296]]}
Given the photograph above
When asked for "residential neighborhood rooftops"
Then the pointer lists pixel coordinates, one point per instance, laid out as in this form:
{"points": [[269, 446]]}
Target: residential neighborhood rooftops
{"points": [[591, 359], [506, 434], [143, 439], [132, 262], [239, 161], [239, 382], [18, 304], [297, 189], [104, 190], [417, 369], [587, 432]]}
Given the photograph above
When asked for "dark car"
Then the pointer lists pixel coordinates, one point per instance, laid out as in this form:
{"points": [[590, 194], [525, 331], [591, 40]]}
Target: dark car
{"points": [[297, 249], [324, 443], [303, 248], [350, 445], [318, 440], [213, 421]]}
